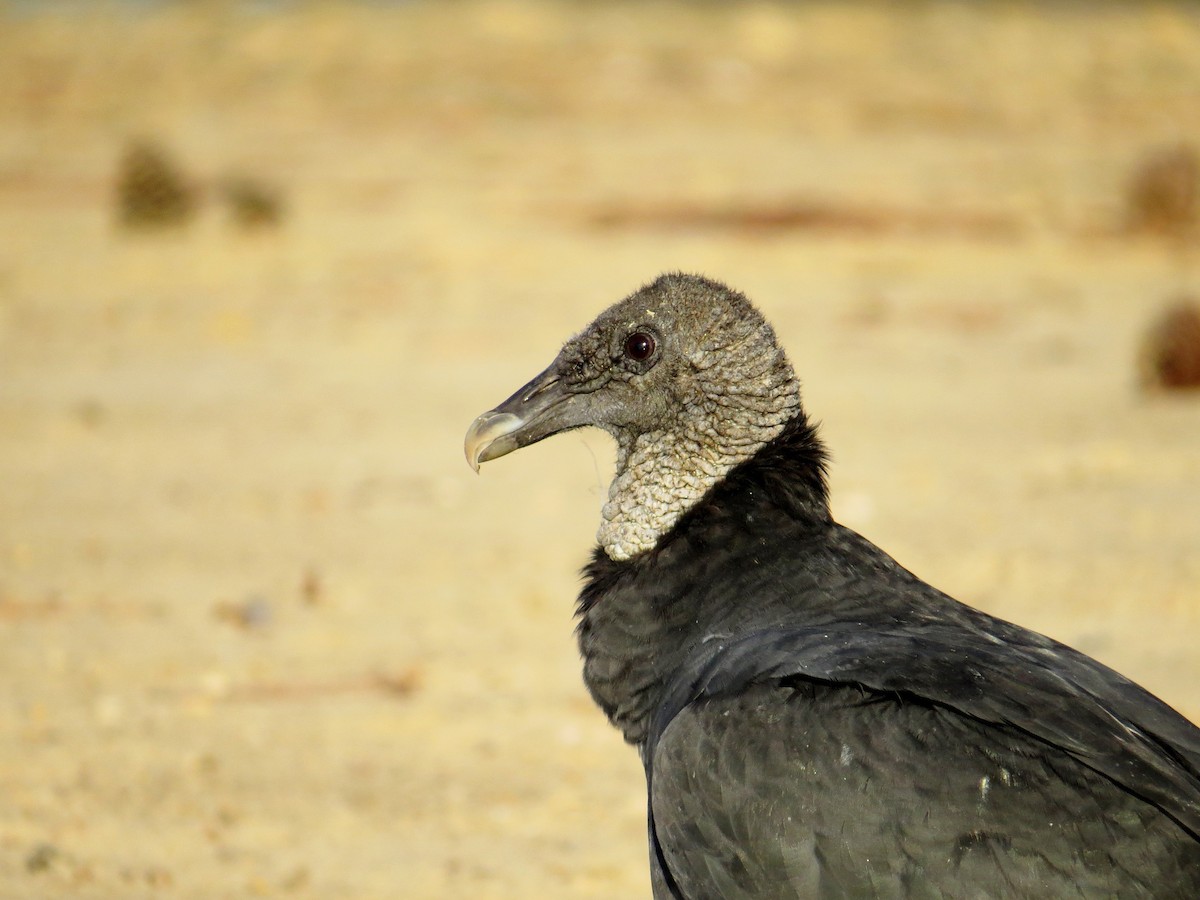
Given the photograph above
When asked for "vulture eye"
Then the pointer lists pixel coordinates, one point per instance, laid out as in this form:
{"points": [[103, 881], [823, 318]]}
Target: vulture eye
{"points": [[639, 346]]}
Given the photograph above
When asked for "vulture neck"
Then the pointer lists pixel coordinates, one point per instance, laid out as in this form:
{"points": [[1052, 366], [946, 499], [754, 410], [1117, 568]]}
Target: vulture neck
{"points": [[640, 619], [722, 421]]}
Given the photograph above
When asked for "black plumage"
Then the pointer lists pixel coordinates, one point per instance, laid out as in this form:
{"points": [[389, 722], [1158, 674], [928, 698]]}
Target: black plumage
{"points": [[814, 720]]}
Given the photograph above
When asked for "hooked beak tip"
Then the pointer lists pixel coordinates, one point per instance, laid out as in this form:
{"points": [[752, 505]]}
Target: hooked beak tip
{"points": [[489, 437]]}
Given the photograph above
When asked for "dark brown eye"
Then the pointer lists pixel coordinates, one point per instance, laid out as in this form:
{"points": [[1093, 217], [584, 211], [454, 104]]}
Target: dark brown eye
{"points": [[639, 346]]}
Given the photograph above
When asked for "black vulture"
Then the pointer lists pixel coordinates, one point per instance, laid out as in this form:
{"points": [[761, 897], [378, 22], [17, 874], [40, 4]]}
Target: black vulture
{"points": [[814, 720]]}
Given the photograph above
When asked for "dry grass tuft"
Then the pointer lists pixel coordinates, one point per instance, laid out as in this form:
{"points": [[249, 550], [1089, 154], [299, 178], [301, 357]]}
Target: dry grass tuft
{"points": [[252, 204], [152, 191]]}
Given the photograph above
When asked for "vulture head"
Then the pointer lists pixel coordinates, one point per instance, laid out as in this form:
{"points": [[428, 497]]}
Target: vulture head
{"points": [[684, 373]]}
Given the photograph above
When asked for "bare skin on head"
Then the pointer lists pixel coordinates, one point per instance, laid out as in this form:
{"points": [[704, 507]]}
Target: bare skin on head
{"points": [[688, 379]]}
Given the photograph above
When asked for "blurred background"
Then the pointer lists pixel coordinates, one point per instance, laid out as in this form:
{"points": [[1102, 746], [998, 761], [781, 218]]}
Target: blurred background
{"points": [[264, 633]]}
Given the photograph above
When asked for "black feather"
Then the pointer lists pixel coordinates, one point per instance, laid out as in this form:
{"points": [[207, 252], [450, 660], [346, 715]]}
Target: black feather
{"points": [[816, 721]]}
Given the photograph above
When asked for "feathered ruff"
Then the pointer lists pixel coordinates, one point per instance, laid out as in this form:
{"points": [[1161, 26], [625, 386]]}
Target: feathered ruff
{"points": [[790, 471]]}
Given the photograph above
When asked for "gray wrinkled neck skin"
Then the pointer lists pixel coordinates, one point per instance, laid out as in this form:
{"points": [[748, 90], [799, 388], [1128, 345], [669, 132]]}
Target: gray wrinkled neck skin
{"points": [[738, 396]]}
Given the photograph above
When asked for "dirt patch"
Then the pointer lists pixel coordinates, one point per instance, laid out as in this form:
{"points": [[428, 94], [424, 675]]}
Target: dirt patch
{"points": [[264, 633]]}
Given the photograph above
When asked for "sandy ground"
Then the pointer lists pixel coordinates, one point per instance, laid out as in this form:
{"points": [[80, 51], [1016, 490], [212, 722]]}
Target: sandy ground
{"points": [[262, 631]]}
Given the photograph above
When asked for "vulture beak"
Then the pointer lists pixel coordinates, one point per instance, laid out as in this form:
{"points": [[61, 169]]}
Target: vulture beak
{"points": [[539, 409]]}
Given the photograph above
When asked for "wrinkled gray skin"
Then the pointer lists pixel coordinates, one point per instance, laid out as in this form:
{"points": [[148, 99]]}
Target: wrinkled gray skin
{"points": [[715, 389]]}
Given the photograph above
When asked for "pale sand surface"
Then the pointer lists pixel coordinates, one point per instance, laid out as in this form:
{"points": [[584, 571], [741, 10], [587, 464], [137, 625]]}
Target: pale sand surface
{"points": [[262, 631]]}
